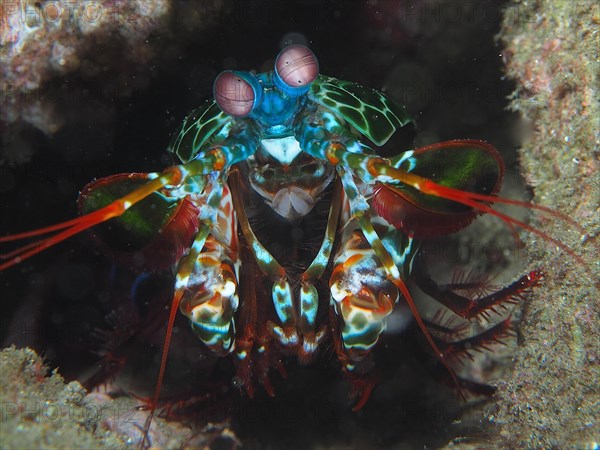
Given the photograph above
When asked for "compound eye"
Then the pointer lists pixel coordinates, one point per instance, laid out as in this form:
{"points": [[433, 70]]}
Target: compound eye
{"points": [[236, 93], [296, 68]]}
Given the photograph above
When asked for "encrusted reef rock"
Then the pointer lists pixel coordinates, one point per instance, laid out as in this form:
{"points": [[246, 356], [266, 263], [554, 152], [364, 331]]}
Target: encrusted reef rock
{"points": [[40, 411], [44, 40], [551, 399], [61, 58]]}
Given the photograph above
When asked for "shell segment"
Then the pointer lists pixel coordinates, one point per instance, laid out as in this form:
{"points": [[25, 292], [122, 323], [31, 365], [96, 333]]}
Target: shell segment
{"points": [[197, 128], [368, 110]]}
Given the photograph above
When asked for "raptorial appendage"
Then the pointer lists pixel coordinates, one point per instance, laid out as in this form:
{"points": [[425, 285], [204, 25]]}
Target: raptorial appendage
{"points": [[210, 299], [362, 296]]}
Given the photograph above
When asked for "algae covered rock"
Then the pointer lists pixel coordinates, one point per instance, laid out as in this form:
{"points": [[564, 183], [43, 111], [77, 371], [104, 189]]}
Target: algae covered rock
{"points": [[40, 411], [551, 399]]}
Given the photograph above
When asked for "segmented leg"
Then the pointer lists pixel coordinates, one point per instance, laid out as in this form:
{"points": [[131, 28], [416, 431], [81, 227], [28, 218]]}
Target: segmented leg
{"points": [[452, 336], [206, 286], [186, 266], [463, 348], [247, 336], [470, 307], [309, 297], [255, 355], [281, 291], [210, 296], [338, 146], [297, 321], [253, 338], [361, 291]]}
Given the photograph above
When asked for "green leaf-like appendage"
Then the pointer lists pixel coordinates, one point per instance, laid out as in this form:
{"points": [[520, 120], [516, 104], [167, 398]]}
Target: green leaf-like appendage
{"points": [[468, 165], [196, 130], [142, 222], [368, 110], [463, 165], [158, 228]]}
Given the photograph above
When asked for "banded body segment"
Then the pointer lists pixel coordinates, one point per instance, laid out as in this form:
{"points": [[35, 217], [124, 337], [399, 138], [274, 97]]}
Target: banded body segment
{"points": [[362, 294], [211, 299]]}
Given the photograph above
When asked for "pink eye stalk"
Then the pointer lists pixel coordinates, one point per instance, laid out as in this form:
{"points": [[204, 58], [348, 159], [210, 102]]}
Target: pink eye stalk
{"points": [[236, 94], [296, 68]]}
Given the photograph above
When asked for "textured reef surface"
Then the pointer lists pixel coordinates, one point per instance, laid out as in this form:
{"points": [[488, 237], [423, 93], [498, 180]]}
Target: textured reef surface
{"points": [[552, 397], [43, 41], [40, 411]]}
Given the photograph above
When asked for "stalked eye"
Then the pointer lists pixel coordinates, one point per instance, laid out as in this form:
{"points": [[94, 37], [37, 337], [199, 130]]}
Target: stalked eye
{"points": [[296, 68], [237, 93]]}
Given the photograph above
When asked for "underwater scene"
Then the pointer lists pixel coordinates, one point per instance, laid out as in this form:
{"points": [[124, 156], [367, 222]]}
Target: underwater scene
{"points": [[301, 224]]}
